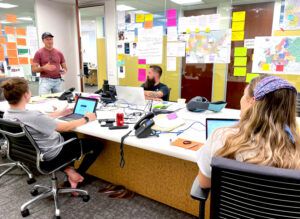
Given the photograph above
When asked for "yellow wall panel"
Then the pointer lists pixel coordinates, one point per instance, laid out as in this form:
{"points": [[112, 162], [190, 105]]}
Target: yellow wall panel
{"points": [[101, 56]]}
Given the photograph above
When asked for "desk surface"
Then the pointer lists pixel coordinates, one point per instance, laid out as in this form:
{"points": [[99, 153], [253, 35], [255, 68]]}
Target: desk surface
{"points": [[159, 144]]}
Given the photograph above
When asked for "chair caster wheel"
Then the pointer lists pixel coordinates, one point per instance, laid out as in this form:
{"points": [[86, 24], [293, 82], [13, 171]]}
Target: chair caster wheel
{"points": [[85, 198], [25, 213], [34, 192], [31, 180]]}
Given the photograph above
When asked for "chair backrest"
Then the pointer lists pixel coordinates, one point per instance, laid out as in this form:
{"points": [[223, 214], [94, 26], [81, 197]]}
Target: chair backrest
{"points": [[168, 96], [242, 190], [298, 104], [21, 146]]}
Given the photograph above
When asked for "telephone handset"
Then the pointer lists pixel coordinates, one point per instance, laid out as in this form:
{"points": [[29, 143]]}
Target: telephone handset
{"points": [[67, 94], [143, 126]]}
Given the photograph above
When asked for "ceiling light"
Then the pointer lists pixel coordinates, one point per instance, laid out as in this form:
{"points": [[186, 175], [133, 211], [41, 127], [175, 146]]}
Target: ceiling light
{"points": [[124, 8], [141, 12], [7, 5], [25, 18], [5, 22], [187, 2]]}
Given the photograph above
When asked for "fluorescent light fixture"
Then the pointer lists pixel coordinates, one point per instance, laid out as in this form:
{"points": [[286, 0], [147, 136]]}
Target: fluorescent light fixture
{"points": [[7, 5], [141, 12], [5, 22], [187, 2], [25, 18], [124, 8]]}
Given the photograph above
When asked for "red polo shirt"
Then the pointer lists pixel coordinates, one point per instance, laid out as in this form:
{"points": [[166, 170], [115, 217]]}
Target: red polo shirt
{"points": [[54, 56]]}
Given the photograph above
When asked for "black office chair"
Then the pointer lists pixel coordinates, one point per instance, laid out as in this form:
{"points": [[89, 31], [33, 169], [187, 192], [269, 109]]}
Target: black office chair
{"points": [[242, 190], [168, 96], [23, 148], [298, 104]]}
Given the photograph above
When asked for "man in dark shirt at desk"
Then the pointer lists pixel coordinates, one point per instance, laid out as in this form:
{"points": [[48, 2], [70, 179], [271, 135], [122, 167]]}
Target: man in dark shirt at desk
{"points": [[154, 90]]}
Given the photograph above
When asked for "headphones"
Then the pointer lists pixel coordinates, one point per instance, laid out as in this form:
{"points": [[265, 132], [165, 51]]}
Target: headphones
{"points": [[201, 104]]}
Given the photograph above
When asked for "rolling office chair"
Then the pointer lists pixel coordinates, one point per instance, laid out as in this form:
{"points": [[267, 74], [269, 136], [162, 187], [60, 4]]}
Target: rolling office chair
{"points": [[22, 147], [243, 190]]}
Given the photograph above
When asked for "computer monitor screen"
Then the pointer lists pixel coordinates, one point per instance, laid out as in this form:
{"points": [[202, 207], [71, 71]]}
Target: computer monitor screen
{"points": [[85, 105], [213, 124]]}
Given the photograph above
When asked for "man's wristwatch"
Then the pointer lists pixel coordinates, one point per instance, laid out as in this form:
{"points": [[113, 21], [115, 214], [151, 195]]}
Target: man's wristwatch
{"points": [[86, 119]]}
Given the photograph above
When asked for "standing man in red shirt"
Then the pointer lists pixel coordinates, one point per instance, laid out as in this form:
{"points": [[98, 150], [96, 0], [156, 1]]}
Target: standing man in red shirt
{"points": [[51, 63]]}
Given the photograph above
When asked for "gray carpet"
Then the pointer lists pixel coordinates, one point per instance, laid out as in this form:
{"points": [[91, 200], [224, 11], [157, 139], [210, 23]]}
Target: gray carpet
{"points": [[14, 191]]}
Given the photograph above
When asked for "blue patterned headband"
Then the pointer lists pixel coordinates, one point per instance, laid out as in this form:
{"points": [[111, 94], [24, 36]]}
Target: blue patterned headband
{"points": [[269, 85]]}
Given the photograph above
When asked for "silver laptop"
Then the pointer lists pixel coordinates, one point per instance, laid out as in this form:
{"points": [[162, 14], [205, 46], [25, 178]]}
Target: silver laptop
{"points": [[83, 105], [131, 95]]}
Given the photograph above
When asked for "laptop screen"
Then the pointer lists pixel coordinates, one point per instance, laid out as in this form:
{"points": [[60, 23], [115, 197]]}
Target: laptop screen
{"points": [[213, 124], [85, 105]]}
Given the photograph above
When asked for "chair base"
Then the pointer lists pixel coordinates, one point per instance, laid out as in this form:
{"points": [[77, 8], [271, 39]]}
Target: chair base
{"points": [[51, 191], [14, 165]]}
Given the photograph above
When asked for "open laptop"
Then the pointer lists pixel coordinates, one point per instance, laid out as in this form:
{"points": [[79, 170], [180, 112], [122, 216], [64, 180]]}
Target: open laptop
{"points": [[131, 95], [213, 123], [83, 105]]}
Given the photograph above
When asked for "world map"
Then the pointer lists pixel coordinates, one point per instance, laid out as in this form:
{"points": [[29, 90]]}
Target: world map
{"points": [[276, 55]]}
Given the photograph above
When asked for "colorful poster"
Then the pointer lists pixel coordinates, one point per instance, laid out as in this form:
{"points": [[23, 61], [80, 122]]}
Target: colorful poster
{"points": [[291, 19], [276, 55], [213, 47]]}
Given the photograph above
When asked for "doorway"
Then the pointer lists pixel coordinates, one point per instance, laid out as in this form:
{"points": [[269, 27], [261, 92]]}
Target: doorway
{"points": [[92, 37]]}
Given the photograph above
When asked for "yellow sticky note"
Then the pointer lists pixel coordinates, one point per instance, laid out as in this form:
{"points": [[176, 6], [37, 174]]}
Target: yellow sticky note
{"points": [[238, 25], [143, 66], [237, 36], [188, 30], [240, 51], [239, 71], [266, 67], [207, 30], [139, 18], [197, 30], [120, 57], [250, 76], [238, 16], [240, 61], [149, 17]]}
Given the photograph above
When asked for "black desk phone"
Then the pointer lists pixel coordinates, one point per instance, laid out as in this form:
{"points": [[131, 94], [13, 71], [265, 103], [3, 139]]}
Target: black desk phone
{"points": [[143, 126]]}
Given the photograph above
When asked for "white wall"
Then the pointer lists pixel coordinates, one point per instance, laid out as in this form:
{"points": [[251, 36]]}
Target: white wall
{"points": [[60, 20]]}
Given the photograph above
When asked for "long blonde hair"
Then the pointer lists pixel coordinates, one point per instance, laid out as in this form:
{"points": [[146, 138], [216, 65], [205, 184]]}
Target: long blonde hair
{"points": [[262, 130]]}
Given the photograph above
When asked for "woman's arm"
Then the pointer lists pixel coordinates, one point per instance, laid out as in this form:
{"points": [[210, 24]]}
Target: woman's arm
{"points": [[204, 181], [69, 126]]}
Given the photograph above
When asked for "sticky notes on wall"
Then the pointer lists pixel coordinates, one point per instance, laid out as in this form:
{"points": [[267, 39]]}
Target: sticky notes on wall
{"points": [[237, 36], [238, 25], [149, 17], [21, 41], [266, 67], [139, 18], [23, 52], [2, 40], [141, 75], [13, 61], [11, 18], [148, 24], [239, 16], [9, 30], [250, 76], [21, 31], [279, 67], [11, 45], [12, 53], [172, 22], [23, 61], [240, 51], [240, 71], [240, 61], [142, 61], [2, 58], [171, 15]]}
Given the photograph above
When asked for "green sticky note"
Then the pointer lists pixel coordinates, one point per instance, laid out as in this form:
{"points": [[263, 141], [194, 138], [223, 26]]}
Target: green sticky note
{"points": [[239, 71], [240, 61], [23, 51], [240, 51], [250, 76]]}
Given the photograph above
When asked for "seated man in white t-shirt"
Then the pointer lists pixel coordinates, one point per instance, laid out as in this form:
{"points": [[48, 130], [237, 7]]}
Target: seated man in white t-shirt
{"points": [[266, 133]]}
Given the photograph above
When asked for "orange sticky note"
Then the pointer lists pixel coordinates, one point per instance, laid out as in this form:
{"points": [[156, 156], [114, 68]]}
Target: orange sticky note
{"points": [[2, 40], [148, 24], [11, 45], [11, 18], [9, 30], [12, 53], [2, 58], [21, 31], [21, 41], [13, 61], [23, 61]]}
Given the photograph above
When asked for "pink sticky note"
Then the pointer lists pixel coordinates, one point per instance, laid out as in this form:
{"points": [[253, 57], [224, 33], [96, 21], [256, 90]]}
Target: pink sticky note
{"points": [[171, 13], [172, 22], [142, 61], [279, 67], [141, 75]]}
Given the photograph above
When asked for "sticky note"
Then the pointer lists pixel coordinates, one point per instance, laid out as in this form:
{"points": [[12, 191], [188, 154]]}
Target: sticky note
{"points": [[2, 58], [13, 61], [149, 17], [11, 45], [21, 31], [240, 61], [237, 35], [12, 18], [239, 71], [23, 51], [139, 18], [12, 53], [21, 41], [238, 25], [238, 16], [120, 56], [171, 13], [2, 40], [188, 30], [197, 30], [240, 51], [172, 22], [279, 67], [250, 76], [142, 61], [9, 30], [207, 30], [266, 67], [141, 75], [23, 61], [148, 24]]}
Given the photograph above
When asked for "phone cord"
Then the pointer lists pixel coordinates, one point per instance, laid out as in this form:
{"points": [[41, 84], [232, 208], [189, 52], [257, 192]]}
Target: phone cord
{"points": [[122, 160]]}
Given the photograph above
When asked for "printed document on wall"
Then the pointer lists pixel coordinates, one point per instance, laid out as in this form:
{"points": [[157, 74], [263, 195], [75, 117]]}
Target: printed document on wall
{"points": [[176, 49], [150, 44]]}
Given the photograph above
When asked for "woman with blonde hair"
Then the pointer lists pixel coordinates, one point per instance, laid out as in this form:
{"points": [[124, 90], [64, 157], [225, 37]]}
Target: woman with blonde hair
{"points": [[266, 133]]}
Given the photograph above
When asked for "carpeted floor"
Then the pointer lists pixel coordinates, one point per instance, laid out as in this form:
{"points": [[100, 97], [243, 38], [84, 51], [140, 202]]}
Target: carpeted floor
{"points": [[14, 191]]}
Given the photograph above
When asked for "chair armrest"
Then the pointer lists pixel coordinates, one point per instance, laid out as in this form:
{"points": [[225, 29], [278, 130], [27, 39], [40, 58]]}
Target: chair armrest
{"points": [[197, 192]]}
